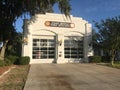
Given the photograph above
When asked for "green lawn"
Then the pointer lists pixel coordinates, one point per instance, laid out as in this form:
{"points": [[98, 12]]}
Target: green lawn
{"points": [[116, 64]]}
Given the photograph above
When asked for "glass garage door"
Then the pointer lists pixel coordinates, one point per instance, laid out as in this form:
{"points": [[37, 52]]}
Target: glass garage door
{"points": [[73, 48], [43, 48]]}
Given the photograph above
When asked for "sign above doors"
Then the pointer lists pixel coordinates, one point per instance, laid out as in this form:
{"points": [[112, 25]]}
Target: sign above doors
{"points": [[59, 24]]}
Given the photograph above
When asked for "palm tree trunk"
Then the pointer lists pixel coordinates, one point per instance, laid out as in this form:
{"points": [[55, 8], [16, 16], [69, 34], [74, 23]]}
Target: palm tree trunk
{"points": [[2, 52]]}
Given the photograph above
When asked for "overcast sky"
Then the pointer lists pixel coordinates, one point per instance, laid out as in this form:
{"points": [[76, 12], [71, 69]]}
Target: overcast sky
{"points": [[90, 10]]}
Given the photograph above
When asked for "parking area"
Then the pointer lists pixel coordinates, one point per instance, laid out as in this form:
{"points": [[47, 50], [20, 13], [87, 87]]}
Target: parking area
{"points": [[72, 77]]}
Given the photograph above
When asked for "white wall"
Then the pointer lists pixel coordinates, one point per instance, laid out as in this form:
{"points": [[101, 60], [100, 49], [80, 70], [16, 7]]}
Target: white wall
{"points": [[36, 27]]}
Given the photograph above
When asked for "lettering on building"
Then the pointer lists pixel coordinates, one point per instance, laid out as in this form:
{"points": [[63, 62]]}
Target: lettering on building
{"points": [[59, 24]]}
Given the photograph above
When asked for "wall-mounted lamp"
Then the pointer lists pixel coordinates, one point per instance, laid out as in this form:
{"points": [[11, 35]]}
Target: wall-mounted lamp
{"points": [[60, 42], [25, 40]]}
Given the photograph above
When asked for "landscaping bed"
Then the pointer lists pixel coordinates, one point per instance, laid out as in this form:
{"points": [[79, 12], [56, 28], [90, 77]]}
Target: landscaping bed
{"points": [[15, 79], [4, 69]]}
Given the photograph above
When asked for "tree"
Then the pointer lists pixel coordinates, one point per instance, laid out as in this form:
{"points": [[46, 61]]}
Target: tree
{"points": [[109, 32], [42, 6], [14, 46], [95, 42], [8, 14], [12, 9]]}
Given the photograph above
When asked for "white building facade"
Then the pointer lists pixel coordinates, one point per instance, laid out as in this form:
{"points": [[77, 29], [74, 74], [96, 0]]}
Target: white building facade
{"points": [[53, 38]]}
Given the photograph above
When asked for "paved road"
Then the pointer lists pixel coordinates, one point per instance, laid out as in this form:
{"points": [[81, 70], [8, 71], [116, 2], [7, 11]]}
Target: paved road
{"points": [[72, 77]]}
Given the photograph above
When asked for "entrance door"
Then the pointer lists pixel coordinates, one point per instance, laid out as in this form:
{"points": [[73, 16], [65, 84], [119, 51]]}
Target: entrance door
{"points": [[43, 47], [73, 48]]}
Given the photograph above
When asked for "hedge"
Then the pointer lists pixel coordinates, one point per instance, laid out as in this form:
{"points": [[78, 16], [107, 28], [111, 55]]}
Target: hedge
{"points": [[24, 60], [105, 59], [13, 59], [95, 59], [7, 62], [1, 63]]}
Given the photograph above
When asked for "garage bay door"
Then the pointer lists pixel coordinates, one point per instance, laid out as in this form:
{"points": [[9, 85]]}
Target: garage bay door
{"points": [[73, 47], [43, 47]]}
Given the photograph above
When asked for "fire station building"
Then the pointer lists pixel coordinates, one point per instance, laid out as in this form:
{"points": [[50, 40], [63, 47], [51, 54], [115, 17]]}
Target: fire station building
{"points": [[55, 38]]}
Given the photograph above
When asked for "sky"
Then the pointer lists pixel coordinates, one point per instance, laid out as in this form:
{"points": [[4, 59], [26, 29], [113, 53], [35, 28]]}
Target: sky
{"points": [[90, 10]]}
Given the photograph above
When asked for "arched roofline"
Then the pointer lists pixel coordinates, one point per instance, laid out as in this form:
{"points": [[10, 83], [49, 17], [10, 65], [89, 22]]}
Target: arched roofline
{"points": [[47, 30], [74, 32]]}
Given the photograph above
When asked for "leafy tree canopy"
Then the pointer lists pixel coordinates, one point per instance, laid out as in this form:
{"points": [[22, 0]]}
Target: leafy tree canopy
{"points": [[109, 35], [10, 10]]}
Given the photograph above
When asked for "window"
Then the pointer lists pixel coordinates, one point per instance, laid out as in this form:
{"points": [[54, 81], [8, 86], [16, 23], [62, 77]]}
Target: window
{"points": [[43, 49], [73, 49]]}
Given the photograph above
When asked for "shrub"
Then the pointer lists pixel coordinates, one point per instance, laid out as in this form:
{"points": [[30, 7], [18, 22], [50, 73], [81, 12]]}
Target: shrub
{"points": [[1, 63], [105, 59], [24, 60], [13, 59], [7, 62], [95, 59]]}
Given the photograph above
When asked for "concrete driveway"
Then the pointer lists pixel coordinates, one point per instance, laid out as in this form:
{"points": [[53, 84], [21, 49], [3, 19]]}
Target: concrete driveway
{"points": [[72, 77]]}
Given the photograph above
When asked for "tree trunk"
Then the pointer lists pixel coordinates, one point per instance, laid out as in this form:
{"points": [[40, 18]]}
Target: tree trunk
{"points": [[112, 61], [113, 57], [2, 52]]}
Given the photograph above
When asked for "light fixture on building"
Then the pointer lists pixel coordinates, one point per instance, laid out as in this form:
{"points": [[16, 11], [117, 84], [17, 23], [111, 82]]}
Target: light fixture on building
{"points": [[60, 42], [72, 25], [25, 40]]}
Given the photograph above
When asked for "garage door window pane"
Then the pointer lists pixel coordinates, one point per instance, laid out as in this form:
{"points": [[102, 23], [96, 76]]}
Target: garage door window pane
{"points": [[73, 49], [43, 48]]}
